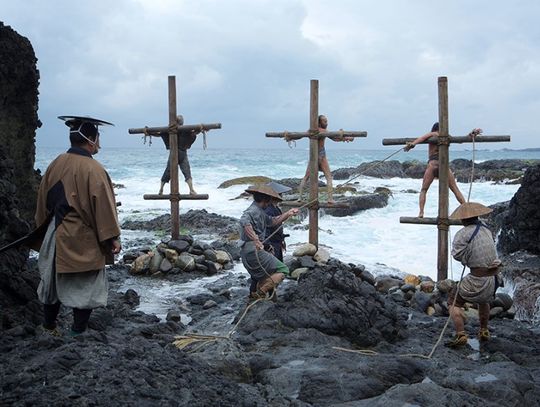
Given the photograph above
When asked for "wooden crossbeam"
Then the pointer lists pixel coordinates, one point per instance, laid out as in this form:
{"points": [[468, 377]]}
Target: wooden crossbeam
{"points": [[451, 139], [297, 135], [178, 197], [157, 131], [297, 204], [427, 221]]}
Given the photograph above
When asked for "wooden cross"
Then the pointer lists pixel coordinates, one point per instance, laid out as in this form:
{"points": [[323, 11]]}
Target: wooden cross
{"points": [[314, 135], [175, 197], [443, 140]]}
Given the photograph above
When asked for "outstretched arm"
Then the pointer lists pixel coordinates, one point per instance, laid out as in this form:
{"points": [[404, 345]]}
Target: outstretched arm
{"points": [[283, 217], [419, 140]]}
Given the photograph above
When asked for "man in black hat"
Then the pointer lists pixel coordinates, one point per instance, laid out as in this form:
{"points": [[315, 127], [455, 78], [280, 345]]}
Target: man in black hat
{"points": [[432, 169], [265, 269], [76, 204], [185, 141]]}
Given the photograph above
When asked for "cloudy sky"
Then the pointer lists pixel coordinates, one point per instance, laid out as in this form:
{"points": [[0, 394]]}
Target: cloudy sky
{"points": [[248, 65]]}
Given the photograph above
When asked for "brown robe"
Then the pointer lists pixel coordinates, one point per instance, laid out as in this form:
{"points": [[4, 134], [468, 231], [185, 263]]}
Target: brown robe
{"points": [[77, 191]]}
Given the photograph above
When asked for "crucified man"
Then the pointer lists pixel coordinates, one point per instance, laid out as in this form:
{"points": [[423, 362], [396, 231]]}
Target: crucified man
{"points": [[323, 161]]}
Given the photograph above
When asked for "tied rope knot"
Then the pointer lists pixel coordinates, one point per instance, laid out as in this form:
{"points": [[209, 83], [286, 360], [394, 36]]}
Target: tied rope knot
{"points": [[146, 134], [443, 224], [443, 141], [288, 139], [203, 131]]}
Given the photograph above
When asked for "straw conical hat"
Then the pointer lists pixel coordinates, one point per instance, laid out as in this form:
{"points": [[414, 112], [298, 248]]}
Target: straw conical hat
{"points": [[279, 188], [264, 189], [470, 210]]}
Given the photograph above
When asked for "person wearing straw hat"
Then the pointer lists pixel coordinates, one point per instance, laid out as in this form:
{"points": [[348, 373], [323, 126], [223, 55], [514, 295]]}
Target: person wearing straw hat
{"points": [[76, 205], [263, 267], [432, 169], [274, 234], [474, 247]]}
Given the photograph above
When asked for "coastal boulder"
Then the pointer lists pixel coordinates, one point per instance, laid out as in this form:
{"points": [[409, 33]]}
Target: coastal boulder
{"points": [[306, 249], [521, 227], [334, 301]]}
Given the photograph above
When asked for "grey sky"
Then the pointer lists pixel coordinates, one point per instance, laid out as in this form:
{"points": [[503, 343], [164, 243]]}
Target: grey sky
{"points": [[248, 63]]}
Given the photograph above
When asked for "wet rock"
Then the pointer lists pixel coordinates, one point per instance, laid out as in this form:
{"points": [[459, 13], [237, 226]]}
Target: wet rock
{"points": [[444, 286], [164, 267], [209, 304], [412, 280], [421, 301], [495, 312], [230, 247], [210, 255], [307, 261], [354, 309], [171, 255], [322, 256], [297, 273], [179, 245], [141, 264], [502, 300], [427, 286], [222, 257], [408, 287], [155, 262], [185, 263], [358, 203], [307, 249], [173, 316], [384, 283], [199, 299], [521, 226]]}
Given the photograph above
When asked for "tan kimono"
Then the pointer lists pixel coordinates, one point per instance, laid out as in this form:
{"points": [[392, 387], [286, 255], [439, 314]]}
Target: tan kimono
{"points": [[79, 194], [77, 201]]}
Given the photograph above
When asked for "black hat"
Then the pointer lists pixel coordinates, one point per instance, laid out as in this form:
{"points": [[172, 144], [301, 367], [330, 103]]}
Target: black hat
{"points": [[83, 125], [71, 120]]}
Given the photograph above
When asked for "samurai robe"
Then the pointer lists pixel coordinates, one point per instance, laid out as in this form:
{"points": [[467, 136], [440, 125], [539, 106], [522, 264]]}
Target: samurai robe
{"points": [[76, 199]]}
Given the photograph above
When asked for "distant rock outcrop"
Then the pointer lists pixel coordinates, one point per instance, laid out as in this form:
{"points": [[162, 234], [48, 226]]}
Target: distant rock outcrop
{"points": [[521, 226], [18, 180]]}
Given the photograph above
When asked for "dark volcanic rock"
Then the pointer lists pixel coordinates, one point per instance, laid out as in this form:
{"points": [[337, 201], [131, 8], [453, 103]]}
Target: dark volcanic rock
{"points": [[18, 180], [521, 226], [358, 203], [335, 302], [198, 221]]}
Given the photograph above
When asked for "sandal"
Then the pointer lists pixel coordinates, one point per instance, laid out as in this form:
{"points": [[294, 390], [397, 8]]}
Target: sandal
{"points": [[458, 341]]}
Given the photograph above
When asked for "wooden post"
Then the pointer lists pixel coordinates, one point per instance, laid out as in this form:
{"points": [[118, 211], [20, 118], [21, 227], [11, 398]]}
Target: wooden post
{"points": [[173, 142], [444, 168], [314, 164]]}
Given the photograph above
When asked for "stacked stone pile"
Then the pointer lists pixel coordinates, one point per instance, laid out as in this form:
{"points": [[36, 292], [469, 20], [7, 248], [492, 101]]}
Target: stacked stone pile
{"points": [[430, 297], [178, 256]]}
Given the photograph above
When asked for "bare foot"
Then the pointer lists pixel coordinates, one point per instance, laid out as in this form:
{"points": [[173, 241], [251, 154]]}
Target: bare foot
{"points": [[192, 192], [160, 191], [421, 215]]}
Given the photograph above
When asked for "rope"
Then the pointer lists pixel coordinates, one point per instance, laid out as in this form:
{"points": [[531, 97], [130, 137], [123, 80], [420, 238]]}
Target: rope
{"points": [[146, 134]]}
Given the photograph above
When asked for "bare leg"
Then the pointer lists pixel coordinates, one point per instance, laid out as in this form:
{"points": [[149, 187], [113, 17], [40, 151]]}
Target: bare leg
{"points": [[483, 314], [325, 167], [457, 318], [190, 185], [429, 176], [454, 188], [161, 189], [302, 185]]}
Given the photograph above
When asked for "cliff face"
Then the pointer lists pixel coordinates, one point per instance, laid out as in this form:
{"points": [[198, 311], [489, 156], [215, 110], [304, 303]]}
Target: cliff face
{"points": [[19, 79], [520, 229]]}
